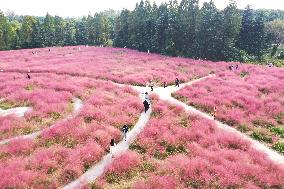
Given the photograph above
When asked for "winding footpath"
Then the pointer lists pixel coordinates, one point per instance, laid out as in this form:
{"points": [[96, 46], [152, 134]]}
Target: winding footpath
{"points": [[98, 169], [77, 106], [165, 94]]}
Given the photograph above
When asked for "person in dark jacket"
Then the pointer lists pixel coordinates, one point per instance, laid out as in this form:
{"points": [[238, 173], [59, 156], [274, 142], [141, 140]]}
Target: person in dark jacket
{"points": [[28, 76], [165, 84], [177, 82], [146, 105], [125, 130]]}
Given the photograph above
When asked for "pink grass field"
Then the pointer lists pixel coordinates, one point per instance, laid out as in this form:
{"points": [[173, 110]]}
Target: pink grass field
{"points": [[176, 149], [49, 95], [250, 99], [119, 65], [181, 150], [66, 151]]}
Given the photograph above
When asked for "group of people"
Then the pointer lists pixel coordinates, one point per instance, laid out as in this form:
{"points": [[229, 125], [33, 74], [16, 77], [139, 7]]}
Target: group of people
{"points": [[125, 130], [151, 84], [233, 67]]}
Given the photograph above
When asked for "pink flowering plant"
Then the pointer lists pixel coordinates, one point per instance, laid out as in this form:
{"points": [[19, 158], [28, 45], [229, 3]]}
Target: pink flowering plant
{"points": [[181, 150], [64, 152], [250, 99]]}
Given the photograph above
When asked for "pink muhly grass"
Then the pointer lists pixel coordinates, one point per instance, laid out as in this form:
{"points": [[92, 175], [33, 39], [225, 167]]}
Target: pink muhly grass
{"points": [[156, 182]]}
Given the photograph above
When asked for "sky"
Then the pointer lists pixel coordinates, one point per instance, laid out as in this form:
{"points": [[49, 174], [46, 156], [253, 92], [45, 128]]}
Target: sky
{"points": [[77, 8]]}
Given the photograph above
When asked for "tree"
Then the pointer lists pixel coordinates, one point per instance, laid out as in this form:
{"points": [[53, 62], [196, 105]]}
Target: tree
{"points": [[259, 43], [58, 31], [247, 32], [161, 27], [276, 29], [210, 32], [69, 32], [81, 32], [49, 30], [187, 27], [121, 38], [37, 35], [5, 33], [26, 32], [231, 30]]}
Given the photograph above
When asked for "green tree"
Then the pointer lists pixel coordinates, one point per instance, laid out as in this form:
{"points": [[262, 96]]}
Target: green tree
{"points": [[26, 32], [231, 29], [121, 38], [161, 27], [58, 31], [69, 32], [49, 30], [6, 33], [187, 27], [81, 32], [37, 35], [247, 32], [276, 29], [210, 32]]}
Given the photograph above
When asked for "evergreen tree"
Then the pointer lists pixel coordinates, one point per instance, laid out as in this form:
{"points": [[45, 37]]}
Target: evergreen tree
{"points": [[49, 30], [26, 32], [231, 30], [37, 34], [209, 32], [247, 32], [187, 27], [6, 33], [161, 27], [58, 31], [259, 43], [121, 38], [81, 32], [69, 32]]}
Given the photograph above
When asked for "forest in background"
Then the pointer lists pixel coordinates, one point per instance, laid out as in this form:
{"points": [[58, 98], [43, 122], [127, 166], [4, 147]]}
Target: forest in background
{"points": [[177, 29]]}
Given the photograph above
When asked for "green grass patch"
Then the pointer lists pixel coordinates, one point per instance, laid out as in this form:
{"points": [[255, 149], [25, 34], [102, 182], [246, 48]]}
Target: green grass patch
{"points": [[279, 147], [261, 137], [278, 131]]}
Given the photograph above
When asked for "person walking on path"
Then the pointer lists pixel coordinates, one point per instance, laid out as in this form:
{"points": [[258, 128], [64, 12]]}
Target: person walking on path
{"points": [[147, 97], [112, 147], [28, 76], [146, 105], [177, 82], [214, 112], [125, 130], [165, 84], [152, 85]]}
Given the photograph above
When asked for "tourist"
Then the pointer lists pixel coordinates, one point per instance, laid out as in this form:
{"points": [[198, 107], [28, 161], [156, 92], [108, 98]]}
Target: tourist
{"points": [[147, 97], [125, 129], [28, 76], [152, 85], [177, 82], [146, 105], [165, 84], [214, 112], [112, 147]]}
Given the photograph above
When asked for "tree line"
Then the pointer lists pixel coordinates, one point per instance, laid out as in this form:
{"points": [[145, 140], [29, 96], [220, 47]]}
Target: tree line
{"points": [[172, 28]]}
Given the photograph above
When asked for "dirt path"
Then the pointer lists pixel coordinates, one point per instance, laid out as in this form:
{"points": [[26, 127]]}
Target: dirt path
{"points": [[98, 169], [165, 94], [77, 106]]}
